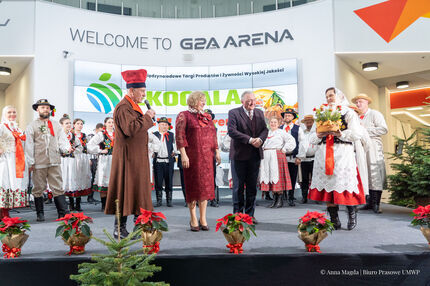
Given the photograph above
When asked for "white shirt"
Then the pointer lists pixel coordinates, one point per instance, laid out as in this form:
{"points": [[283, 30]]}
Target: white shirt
{"points": [[302, 144]]}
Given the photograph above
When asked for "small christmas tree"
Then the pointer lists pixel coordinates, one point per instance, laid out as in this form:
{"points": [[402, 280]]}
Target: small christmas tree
{"points": [[119, 267]]}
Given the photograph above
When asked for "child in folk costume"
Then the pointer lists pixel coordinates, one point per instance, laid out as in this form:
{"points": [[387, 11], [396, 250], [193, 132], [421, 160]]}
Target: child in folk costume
{"points": [[102, 143], [336, 179], [274, 174], [82, 162], [69, 170], [13, 168]]}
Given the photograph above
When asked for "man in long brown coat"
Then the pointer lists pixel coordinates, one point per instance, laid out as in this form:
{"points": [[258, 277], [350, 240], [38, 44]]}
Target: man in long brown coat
{"points": [[129, 179]]}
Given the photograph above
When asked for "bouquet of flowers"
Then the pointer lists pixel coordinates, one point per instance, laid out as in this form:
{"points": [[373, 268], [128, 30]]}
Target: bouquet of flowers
{"points": [[312, 228], [327, 118], [75, 231], [422, 218], [151, 224], [236, 228], [13, 236]]}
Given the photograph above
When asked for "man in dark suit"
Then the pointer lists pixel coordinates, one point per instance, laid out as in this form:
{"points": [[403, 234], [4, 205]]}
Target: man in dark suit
{"points": [[248, 131], [163, 162]]}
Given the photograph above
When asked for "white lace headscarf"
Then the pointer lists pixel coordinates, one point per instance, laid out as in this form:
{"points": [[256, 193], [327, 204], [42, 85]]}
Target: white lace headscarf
{"points": [[4, 119], [341, 98]]}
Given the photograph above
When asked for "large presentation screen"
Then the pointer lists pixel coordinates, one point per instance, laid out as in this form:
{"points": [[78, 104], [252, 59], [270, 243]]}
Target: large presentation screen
{"points": [[98, 87]]}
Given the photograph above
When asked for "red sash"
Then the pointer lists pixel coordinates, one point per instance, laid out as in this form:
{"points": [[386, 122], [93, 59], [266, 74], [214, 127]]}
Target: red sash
{"points": [[329, 155], [19, 152]]}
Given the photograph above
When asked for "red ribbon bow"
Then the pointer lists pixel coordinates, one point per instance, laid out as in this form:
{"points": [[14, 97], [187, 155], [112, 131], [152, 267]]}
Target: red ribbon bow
{"points": [[19, 152], [204, 118], [235, 248], [76, 248], [10, 252], [287, 128], [166, 135], [361, 117], [155, 248], [313, 248]]}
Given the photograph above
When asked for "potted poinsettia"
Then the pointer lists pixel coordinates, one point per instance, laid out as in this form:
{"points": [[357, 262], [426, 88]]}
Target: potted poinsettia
{"points": [[237, 229], [13, 236], [313, 228], [75, 231], [152, 224], [422, 218]]}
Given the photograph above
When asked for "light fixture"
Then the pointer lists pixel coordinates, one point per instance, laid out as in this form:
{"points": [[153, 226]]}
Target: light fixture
{"points": [[411, 116], [5, 71], [370, 66], [402, 84], [415, 108], [425, 115]]}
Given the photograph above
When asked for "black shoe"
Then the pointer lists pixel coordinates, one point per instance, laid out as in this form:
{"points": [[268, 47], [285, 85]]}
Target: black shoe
{"points": [[123, 233], [368, 205], [279, 202], [267, 196], [186, 205], [334, 216], [169, 199], [254, 220], [38, 202], [61, 205], [159, 197], [103, 203], [291, 198], [78, 205], [275, 200], [352, 217], [304, 197], [71, 204], [376, 201]]}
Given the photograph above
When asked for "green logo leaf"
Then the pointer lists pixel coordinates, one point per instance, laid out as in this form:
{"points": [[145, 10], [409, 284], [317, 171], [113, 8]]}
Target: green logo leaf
{"points": [[105, 77]]}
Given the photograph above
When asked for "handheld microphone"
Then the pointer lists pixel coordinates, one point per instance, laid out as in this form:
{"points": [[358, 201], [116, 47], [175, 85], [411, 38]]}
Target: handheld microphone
{"points": [[149, 107]]}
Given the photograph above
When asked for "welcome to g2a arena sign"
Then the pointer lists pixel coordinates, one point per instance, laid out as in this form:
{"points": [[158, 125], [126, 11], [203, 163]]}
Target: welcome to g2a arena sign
{"points": [[145, 42]]}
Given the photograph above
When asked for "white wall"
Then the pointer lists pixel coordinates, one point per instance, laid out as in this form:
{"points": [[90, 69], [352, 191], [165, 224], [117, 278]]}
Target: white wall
{"points": [[2, 99], [21, 93], [314, 50], [352, 83]]}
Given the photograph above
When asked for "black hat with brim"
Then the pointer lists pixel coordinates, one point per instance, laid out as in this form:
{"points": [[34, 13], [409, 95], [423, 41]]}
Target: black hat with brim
{"points": [[42, 102], [289, 111], [163, 120]]}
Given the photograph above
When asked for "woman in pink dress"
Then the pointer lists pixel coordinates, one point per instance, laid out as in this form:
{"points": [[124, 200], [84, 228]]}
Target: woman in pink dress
{"points": [[197, 141]]}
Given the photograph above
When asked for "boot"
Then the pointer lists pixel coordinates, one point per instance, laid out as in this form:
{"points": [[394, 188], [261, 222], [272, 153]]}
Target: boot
{"points": [[334, 216], [267, 196], [159, 196], [368, 205], [123, 233], [291, 198], [61, 205], [90, 198], [376, 201], [169, 199], [284, 195], [279, 202], [352, 217], [78, 205], [103, 203], [71, 204], [304, 196], [38, 202], [275, 199]]}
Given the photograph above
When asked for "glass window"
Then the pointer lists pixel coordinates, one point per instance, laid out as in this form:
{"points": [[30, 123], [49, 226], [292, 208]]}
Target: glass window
{"points": [[73, 3]]}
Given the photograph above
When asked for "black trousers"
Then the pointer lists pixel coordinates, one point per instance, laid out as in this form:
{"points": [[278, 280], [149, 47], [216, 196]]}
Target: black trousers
{"points": [[163, 172], [293, 169], [93, 170], [307, 168], [247, 173]]}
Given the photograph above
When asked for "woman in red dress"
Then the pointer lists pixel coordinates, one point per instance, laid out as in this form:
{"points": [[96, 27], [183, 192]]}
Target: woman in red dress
{"points": [[197, 141]]}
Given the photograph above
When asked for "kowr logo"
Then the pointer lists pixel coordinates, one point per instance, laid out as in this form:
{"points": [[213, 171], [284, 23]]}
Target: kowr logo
{"points": [[104, 98], [388, 19]]}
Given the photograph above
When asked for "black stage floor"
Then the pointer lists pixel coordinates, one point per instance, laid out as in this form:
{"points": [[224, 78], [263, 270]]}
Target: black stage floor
{"points": [[383, 250]]}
